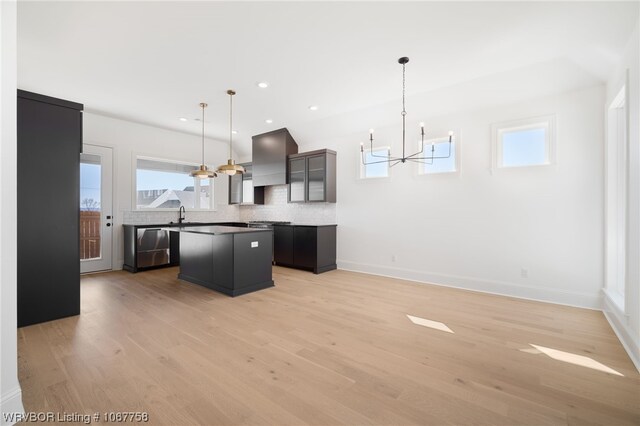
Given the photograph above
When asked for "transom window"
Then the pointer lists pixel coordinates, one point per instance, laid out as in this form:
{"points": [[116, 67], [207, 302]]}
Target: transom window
{"points": [[439, 148], [529, 142], [377, 169], [166, 184]]}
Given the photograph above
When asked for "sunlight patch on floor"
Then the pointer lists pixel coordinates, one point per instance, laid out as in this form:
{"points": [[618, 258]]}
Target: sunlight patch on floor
{"points": [[428, 323], [568, 357]]}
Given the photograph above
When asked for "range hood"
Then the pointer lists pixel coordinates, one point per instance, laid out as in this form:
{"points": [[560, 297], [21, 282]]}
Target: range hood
{"points": [[270, 163]]}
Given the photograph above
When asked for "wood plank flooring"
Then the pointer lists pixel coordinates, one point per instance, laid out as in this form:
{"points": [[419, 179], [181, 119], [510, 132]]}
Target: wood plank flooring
{"points": [[331, 349]]}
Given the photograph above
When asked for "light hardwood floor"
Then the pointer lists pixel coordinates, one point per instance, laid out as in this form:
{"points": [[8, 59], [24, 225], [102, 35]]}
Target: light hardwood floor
{"points": [[336, 348]]}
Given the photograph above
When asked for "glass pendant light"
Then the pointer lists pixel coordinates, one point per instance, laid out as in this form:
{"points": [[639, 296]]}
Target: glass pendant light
{"points": [[231, 168], [203, 172]]}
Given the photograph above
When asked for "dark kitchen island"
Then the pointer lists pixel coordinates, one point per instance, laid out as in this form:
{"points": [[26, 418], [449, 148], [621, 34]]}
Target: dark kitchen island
{"points": [[228, 259]]}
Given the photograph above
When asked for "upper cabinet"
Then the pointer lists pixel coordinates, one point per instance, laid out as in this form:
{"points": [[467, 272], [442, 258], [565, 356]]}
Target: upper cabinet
{"points": [[242, 190], [270, 151], [312, 177]]}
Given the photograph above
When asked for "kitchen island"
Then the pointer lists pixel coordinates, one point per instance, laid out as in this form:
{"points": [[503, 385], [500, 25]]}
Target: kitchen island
{"points": [[228, 259]]}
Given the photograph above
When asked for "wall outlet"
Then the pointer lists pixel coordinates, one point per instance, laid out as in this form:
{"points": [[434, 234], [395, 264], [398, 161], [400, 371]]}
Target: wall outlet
{"points": [[524, 272]]}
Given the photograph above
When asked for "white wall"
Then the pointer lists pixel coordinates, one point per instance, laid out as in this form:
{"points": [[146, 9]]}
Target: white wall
{"points": [[476, 229], [129, 139], [627, 324], [10, 392]]}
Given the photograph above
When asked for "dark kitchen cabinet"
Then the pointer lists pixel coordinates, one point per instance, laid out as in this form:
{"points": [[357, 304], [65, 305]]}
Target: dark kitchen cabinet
{"points": [[283, 245], [156, 246], [235, 189], [270, 151], [297, 180], [49, 134], [242, 190], [312, 177], [308, 247]]}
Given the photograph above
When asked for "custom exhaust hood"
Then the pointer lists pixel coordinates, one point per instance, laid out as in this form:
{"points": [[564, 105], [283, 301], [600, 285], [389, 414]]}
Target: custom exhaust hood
{"points": [[270, 163]]}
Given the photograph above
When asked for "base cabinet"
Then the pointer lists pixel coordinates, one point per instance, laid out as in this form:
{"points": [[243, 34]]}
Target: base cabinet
{"points": [[312, 248], [156, 246]]}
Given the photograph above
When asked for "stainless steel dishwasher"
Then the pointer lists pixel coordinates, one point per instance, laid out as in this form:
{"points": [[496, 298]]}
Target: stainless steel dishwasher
{"points": [[153, 247]]}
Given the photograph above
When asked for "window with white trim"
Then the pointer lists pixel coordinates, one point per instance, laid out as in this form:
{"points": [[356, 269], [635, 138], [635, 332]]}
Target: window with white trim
{"points": [[617, 174], [522, 143], [444, 156], [377, 167], [166, 184]]}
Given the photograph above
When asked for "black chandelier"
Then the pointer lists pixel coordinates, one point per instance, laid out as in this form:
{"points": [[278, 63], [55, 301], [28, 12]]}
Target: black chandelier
{"points": [[417, 157]]}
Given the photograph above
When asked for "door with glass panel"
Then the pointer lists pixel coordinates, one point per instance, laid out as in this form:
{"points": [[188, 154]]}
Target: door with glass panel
{"points": [[96, 216]]}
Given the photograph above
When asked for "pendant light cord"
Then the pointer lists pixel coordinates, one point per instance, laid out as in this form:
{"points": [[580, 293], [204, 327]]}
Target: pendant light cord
{"points": [[230, 126], [202, 134]]}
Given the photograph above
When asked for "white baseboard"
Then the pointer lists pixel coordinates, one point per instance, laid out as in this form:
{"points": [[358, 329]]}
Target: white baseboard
{"points": [[11, 402], [542, 294], [619, 323]]}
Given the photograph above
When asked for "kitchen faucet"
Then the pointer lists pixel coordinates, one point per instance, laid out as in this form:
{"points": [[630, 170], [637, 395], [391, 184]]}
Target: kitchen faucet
{"points": [[181, 214]]}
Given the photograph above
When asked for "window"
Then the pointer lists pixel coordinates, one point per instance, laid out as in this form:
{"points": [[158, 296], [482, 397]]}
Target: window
{"points": [[440, 148], [376, 170], [617, 173], [523, 143], [165, 184]]}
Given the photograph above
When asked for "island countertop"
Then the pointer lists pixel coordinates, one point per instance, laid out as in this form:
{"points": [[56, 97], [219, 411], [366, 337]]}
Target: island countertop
{"points": [[218, 230]]}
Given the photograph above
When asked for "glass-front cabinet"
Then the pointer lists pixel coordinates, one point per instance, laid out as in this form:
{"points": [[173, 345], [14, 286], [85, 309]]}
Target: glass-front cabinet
{"points": [[312, 177], [297, 180], [241, 189]]}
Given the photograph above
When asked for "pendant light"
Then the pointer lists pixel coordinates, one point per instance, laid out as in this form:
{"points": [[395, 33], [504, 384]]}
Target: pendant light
{"points": [[231, 168], [203, 172]]}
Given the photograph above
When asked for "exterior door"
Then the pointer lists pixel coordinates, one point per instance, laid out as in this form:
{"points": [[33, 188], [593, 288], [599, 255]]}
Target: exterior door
{"points": [[96, 216]]}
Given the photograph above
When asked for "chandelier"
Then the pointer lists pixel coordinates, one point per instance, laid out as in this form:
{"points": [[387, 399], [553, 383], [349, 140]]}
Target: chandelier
{"points": [[418, 157]]}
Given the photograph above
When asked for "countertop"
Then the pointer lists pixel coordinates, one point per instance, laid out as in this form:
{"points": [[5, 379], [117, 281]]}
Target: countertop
{"points": [[176, 226], [182, 225], [218, 230], [315, 225]]}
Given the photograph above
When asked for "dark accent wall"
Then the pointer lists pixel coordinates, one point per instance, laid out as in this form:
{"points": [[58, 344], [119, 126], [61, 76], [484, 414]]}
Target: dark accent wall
{"points": [[49, 146]]}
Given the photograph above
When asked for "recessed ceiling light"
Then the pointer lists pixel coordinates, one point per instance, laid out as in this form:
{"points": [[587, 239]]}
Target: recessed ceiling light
{"points": [[313, 107], [268, 121], [235, 132], [183, 119], [263, 85]]}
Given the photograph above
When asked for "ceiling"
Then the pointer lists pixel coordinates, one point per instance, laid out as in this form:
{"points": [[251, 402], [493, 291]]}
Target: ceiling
{"points": [[153, 62]]}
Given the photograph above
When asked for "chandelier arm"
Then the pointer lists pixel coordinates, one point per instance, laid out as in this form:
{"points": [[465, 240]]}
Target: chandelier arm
{"points": [[426, 158], [377, 156], [413, 155], [395, 164], [389, 160], [371, 149], [419, 161]]}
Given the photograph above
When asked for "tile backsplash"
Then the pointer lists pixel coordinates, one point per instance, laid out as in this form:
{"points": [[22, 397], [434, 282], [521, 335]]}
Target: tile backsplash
{"points": [[223, 213], [276, 208]]}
